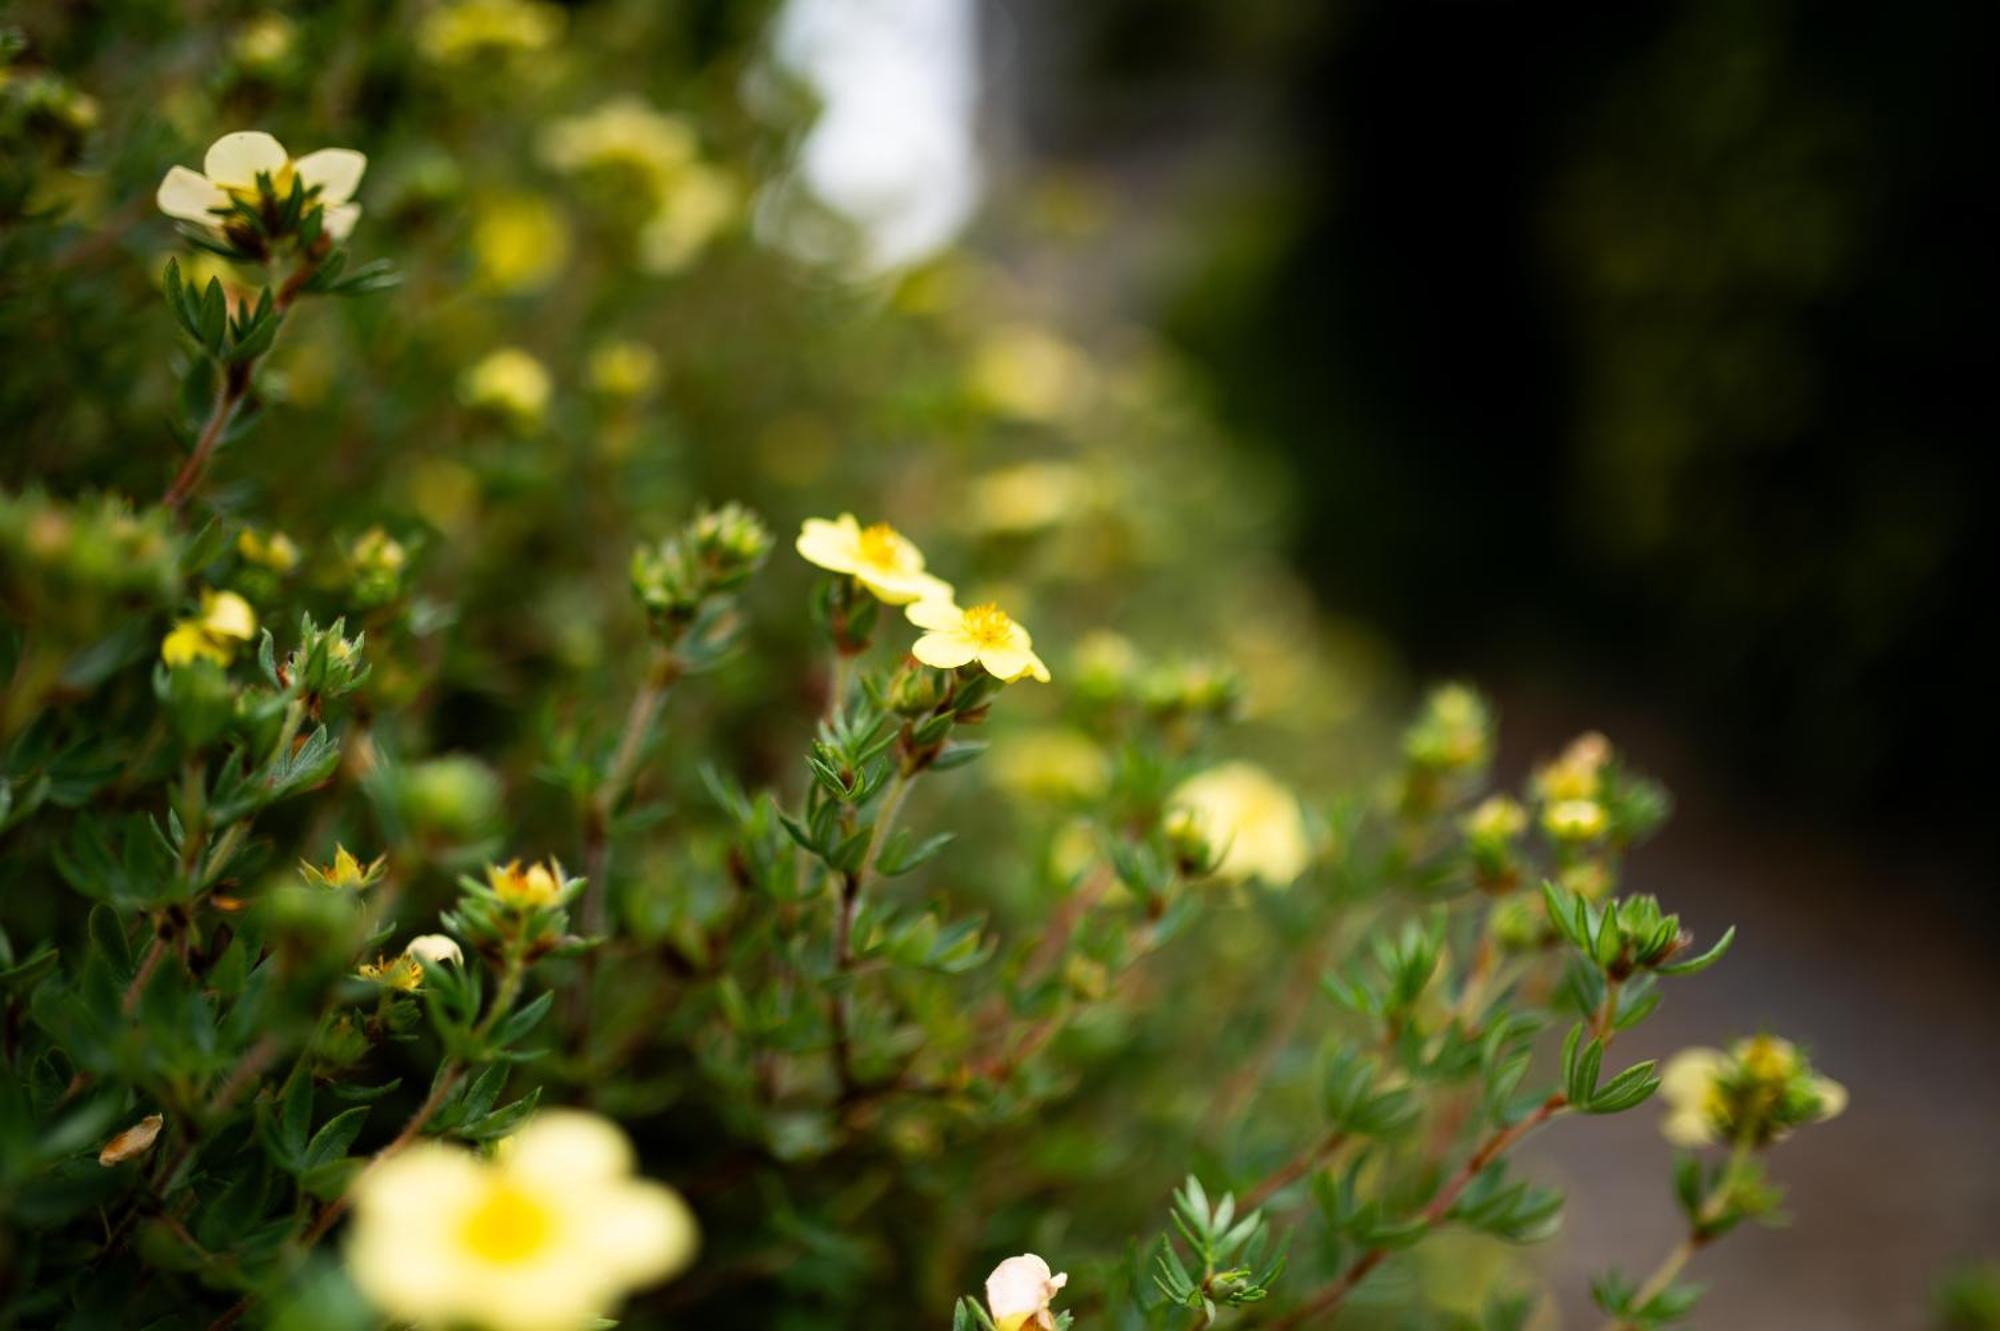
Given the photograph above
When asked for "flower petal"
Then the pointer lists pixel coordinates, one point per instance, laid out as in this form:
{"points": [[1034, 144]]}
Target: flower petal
{"points": [[834, 546], [946, 651], [234, 160], [938, 616], [566, 1146], [1010, 663], [901, 588], [190, 196], [338, 220], [643, 1231], [1832, 1098], [1685, 1079], [336, 172]]}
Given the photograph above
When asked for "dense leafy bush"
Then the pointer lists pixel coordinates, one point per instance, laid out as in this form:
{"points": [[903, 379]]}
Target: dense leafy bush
{"points": [[431, 828]]}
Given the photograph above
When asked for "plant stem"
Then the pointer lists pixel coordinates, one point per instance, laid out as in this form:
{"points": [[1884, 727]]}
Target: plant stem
{"points": [[639, 720], [1697, 1238], [1496, 1145], [851, 886], [1293, 1170], [229, 395]]}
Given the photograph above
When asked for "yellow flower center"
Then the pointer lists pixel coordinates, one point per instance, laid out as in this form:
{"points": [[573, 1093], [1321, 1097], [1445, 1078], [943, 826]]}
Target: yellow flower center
{"points": [[881, 547], [989, 626], [508, 1226]]}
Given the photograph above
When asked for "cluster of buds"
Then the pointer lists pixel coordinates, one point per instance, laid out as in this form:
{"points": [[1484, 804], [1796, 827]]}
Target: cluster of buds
{"points": [[326, 663], [1492, 843], [1753, 1094], [58, 557], [684, 580], [376, 565], [1626, 936], [1447, 748], [1589, 808]]}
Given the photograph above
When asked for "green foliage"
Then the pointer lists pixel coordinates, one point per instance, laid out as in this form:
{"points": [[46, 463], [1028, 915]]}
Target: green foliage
{"points": [[893, 967]]}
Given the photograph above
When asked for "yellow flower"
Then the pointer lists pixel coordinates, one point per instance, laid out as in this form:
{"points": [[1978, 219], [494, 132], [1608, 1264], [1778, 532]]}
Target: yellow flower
{"points": [[549, 1235], [226, 621], [624, 369], [1498, 818], [625, 132], [346, 871], [1027, 496], [1029, 372], [1019, 1293], [1758, 1091], [1575, 820], [464, 30], [519, 243], [1052, 764], [1255, 821], [878, 557], [132, 1143], [265, 42], [275, 552], [403, 973], [696, 203], [1575, 775], [984, 634], [525, 889], [230, 172], [509, 381]]}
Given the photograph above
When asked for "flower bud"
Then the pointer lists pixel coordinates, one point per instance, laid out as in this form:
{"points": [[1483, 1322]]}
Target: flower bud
{"points": [[132, 1143]]}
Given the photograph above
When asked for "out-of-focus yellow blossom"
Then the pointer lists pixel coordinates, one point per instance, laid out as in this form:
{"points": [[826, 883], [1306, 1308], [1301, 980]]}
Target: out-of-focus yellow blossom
{"points": [[984, 633], [549, 1235], [1575, 820], [1028, 496], [878, 557], [624, 369], [1590, 879], [1577, 773], [1498, 818], [1756, 1092], [1453, 733], [467, 29], [376, 551], [509, 381], [1029, 372], [132, 1143], [274, 551], [1105, 661], [697, 202], [229, 175], [519, 243], [444, 492], [525, 889], [225, 623], [1252, 819], [627, 133], [1052, 764], [265, 42], [346, 871], [1019, 1292]]}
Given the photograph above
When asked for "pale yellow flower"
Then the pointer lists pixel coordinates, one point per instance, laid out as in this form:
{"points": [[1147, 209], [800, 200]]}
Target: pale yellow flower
{"points": [[275, 551], [549, 1235], [624, 369], [1252, 819], [265, 41], [132, 1143], [1577, 773], [225, 622], [1029, 372], [403, 973], [1752, 1089], [1027, 496], [1498, 818], [878, 557], [1575, 820], [1051, 763], [1019, 1292], [509, 381], [235, 161], [696, 203], [624, 132], [466, 29], [525, 888], [984, 633], [435, 948], [519, 243]]}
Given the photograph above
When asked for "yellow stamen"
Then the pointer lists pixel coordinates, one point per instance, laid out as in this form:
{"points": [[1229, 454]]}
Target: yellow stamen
{"points": [[509, 1226], [989, 626], [881, 546]]}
